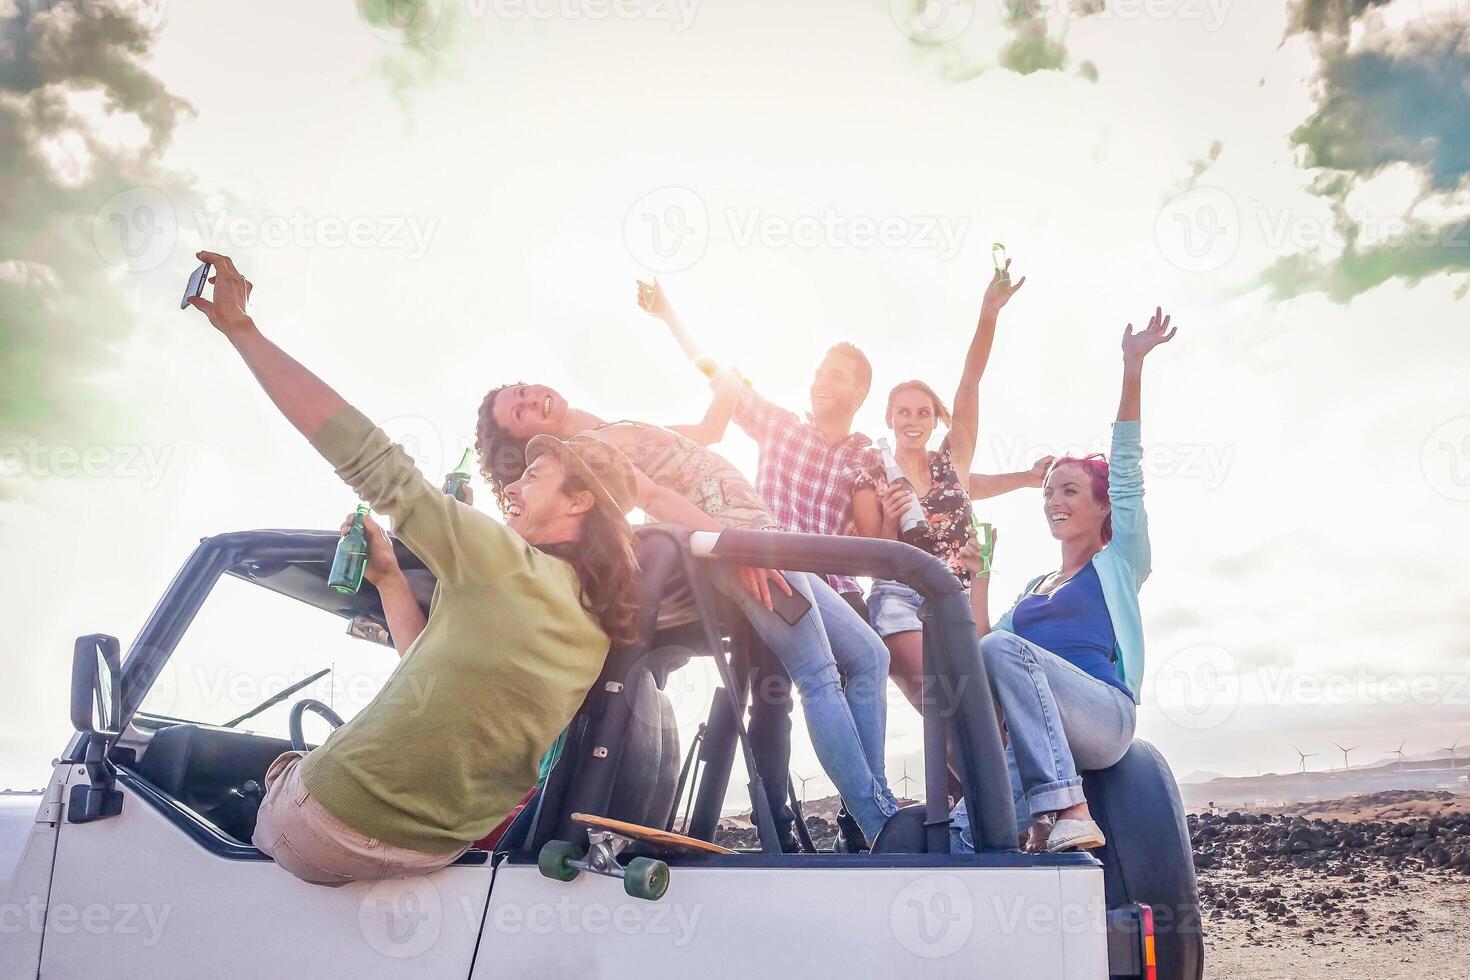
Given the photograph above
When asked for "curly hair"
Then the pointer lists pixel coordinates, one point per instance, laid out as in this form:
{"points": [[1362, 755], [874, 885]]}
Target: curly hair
{"points": [[502, 456], [603, 556]]}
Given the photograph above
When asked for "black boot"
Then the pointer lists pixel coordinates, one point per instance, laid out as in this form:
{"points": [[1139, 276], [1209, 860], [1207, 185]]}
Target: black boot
{"points": [[850, 838]]}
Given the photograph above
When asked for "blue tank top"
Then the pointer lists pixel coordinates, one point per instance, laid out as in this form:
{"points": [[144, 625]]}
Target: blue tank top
{"points": [[1073, 623]]}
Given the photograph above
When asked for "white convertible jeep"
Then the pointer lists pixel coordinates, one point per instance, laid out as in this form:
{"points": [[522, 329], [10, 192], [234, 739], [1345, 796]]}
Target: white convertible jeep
{"points": [[139, 863]]}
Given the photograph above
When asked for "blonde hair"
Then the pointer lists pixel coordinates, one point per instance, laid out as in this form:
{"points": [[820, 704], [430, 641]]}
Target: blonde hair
{"points": [[939, 408]]}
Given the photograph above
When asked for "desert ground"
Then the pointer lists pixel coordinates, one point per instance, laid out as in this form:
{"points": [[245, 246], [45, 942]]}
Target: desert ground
{"points": [[1375, 886]]}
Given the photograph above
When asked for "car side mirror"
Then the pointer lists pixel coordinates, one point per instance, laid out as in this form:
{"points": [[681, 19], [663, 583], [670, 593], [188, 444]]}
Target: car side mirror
{"points": [[96, 712], [96, 685]]}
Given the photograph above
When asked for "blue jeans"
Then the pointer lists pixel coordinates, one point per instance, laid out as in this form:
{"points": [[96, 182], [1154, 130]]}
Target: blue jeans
{"points": [[830, 644], [1060, 721]]}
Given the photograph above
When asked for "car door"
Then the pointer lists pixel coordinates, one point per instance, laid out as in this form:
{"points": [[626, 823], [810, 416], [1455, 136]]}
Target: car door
{"points": [[144, 894]]}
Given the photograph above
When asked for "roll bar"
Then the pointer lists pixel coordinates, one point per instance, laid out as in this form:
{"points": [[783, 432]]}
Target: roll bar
{"points": [[952, 658]]}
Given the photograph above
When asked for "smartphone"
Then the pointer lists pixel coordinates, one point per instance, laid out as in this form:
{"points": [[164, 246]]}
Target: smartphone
{"points": [[196, 285], [789, 607], [998, 256]]}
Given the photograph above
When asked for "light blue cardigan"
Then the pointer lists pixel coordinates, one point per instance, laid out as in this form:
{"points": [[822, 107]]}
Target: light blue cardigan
{"points": [[1124, 564]]}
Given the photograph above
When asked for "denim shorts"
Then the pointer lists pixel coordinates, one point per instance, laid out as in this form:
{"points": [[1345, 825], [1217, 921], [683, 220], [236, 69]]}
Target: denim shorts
{"points": [[893, 608]]}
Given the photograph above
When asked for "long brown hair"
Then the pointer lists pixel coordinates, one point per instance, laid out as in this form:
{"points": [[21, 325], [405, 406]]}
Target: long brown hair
{"points": [[502, 456], [603, 555], [606, 564]]}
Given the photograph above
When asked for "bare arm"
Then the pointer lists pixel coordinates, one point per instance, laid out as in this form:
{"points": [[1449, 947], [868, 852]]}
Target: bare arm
{"points": [[711, 429], [305, 400], [663, 504], [979, 585], [964, 429], [986, 485], [654, 302], [877, 516], [405, 619], [1135, 348]]}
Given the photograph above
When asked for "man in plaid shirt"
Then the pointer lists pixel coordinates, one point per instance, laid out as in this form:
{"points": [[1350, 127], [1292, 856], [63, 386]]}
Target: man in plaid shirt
{"points": [[807, 468], [805, 473]]}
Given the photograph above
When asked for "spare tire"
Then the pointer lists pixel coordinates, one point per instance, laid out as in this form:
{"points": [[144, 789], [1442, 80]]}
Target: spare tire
{"points": [[1147, 858]]}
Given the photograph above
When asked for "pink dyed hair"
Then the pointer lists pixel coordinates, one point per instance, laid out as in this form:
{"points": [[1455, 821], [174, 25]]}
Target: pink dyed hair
{"points": [[1096, 468]]}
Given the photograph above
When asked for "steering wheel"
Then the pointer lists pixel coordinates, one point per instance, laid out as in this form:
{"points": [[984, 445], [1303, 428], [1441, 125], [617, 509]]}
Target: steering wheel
{"points": [[299, 709]]}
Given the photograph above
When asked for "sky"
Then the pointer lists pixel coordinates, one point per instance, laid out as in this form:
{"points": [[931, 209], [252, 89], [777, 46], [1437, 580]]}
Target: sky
{"points": [[436, 199]]}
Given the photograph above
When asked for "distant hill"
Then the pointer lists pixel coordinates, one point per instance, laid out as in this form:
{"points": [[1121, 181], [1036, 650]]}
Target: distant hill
{"points": [[1274, 790], [1198, 776]]}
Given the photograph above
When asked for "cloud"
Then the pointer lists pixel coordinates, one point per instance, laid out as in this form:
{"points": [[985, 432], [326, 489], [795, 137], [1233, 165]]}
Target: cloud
{"points": [[87, 210], [1334, 16], [420, 36], [1030, 45], [1385, 96]]}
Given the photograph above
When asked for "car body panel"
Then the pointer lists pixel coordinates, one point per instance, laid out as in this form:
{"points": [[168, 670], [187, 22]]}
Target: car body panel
{"points": [[850, 922]]}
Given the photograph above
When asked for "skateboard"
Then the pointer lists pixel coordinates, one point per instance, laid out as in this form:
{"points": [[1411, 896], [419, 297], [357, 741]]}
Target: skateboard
{"points": [[643, 877]]}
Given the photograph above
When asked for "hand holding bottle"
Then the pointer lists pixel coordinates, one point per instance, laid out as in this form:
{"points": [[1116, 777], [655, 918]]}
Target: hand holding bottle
{"points": [[382, 563], [894, 502]]}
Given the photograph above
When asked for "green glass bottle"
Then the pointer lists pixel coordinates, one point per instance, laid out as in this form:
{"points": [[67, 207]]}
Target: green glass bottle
{"points": [[460, 479], [350, 561]]}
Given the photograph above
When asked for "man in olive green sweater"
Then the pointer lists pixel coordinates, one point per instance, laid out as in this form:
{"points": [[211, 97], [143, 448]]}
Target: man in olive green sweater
{"points": [[518, 629]]}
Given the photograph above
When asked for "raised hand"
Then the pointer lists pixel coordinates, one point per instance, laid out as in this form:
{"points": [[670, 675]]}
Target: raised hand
{"points": [[652, 300], [1000, 290], [227, 310], [1137, 345], [382, 563], [1038, 470]]}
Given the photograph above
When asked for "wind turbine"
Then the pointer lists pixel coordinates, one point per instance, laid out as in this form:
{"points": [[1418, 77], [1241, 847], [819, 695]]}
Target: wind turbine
{"points": [[1400, 753], [1305, 756], [1451, 750], [904, 779], [1345, 752], [803, 780]]}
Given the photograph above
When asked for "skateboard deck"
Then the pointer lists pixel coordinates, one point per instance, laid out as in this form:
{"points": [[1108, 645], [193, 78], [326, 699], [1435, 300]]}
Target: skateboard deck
{"points": [[675, 843]]}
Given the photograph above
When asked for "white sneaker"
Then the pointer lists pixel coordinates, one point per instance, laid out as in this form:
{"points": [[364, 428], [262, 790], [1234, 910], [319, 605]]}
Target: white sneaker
{"points": [[1075, 835]]}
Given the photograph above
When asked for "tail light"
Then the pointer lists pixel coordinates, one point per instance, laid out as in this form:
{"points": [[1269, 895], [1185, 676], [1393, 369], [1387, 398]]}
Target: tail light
{"points": [[1146, 933]]}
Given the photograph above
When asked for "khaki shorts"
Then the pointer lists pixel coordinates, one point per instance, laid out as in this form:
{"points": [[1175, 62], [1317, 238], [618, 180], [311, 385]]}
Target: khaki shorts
{"points": [[316, 847]]}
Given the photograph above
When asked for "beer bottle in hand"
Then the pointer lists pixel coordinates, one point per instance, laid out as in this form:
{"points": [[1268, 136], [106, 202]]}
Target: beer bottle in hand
{"points": [[460, 478], [912, 523], [350, 561]]}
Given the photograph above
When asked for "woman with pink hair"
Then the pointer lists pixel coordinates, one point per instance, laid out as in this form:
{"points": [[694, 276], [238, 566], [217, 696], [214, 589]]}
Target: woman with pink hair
{"points": [[1065, 664]]}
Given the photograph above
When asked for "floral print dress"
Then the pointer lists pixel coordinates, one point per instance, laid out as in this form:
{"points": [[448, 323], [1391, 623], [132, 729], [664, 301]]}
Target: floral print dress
{"points": [[946, 506]]}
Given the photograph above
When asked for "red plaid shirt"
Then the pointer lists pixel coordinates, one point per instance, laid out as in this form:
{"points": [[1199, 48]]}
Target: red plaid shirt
{"points": [[806, 482]]}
